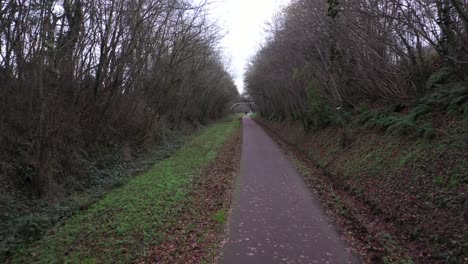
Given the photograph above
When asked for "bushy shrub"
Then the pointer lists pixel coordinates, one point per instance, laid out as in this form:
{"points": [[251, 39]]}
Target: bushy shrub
{"points": [[319, 111]]}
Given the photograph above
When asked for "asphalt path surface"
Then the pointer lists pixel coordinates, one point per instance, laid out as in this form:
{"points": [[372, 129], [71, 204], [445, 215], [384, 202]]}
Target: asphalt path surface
{"points": [[275, 218]]}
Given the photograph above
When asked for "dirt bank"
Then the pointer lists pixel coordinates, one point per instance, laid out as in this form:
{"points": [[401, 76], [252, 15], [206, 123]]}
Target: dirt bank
{"points": [[401, 199]]}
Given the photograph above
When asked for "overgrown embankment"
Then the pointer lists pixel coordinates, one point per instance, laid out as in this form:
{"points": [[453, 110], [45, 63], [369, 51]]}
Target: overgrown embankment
{"points": [[401, 198], [24, 217], [132, 220]]}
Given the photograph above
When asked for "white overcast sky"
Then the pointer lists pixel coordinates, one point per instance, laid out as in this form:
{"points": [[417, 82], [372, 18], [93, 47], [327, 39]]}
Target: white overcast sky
{"points": [[244, 24]]}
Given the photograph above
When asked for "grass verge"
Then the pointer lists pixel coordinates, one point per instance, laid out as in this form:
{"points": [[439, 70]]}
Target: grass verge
{"points": [[120, 227]]}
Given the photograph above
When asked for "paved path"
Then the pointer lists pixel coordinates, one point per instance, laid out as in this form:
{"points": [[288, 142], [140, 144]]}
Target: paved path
{"points": [[275, 218]]}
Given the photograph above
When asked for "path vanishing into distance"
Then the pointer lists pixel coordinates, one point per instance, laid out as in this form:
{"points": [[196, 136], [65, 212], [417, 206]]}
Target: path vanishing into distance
{"points": [[275, 218]]}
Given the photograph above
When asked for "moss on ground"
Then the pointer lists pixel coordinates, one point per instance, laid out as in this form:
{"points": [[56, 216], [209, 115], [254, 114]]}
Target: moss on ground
{"points": [[119, 227]]}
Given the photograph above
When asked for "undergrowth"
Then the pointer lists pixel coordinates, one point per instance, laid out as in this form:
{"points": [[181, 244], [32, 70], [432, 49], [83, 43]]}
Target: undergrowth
{"points": [[397, 123], [449, 99]]}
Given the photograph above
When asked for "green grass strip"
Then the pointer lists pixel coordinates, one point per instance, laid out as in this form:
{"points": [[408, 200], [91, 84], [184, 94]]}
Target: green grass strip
{"points": [[118, 228]]}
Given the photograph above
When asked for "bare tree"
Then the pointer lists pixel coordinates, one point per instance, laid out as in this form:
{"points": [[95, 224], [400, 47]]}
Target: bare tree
{"points": [[323, 55], [76, 73]]}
